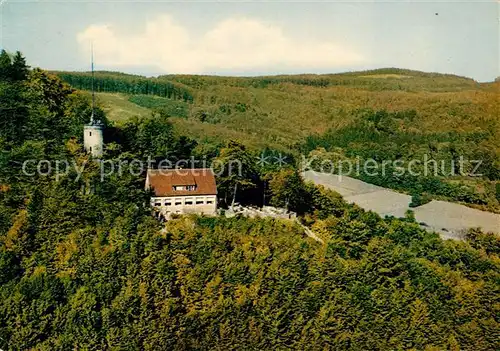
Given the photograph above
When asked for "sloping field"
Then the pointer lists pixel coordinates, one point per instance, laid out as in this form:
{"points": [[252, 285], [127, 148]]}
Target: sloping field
{"points": [[119, 109], [384, 202], [345, 186], [448, 219]]}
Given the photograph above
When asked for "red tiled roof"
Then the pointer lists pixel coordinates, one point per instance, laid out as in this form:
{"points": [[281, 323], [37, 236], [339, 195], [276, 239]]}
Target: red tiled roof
{"points": [[162, 181]]}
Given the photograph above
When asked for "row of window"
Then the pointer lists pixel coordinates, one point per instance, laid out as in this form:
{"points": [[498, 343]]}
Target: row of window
{"points": [[181, 187], [180, 202]]}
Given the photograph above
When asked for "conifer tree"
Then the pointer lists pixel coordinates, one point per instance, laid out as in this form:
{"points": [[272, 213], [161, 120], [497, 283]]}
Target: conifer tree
{"points": [[5, 66], [19, 68]]}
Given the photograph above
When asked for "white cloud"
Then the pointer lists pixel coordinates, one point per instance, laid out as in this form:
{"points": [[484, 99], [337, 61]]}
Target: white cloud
{"points": [[236, 44]]}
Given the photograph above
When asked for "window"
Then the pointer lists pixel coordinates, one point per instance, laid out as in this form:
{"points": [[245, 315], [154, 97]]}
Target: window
{"points": [[178, 202], [209, 202], [157, 204], [168, 203], [90, 133], [90, 149], [188, 202], [199, 202], [182, 187]]}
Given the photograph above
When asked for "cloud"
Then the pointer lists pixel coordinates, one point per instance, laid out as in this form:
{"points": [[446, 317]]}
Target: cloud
{"points": [[235, 44]]}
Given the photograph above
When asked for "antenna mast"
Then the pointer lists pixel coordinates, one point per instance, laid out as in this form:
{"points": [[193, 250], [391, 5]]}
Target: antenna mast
{"points": [[93, 93]]}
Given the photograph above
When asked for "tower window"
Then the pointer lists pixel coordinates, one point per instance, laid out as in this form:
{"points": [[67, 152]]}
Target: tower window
{"points": [[90, 149], [90, 133]]}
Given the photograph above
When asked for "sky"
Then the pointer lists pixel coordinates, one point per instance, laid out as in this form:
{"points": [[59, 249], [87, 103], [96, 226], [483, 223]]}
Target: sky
{"points": [[255, 38]]}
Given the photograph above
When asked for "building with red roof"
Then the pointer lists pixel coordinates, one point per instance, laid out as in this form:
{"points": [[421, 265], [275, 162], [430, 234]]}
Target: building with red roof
{"points": [[180, 191]]}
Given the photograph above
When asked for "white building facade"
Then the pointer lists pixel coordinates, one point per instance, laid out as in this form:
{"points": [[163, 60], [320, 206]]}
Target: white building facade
{"points": [[185, 204]]}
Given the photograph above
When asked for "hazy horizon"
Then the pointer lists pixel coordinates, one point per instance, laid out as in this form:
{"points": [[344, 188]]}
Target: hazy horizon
{"points": [[221, 75]]}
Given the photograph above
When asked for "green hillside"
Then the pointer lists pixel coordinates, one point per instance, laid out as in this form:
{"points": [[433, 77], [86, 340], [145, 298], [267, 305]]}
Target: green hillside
{"points": [[281, 111], [384, 114], [118, 107]]}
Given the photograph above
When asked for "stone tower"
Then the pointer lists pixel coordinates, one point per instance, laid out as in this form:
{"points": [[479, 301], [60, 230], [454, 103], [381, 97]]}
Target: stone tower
{"points": [[93, 140]]}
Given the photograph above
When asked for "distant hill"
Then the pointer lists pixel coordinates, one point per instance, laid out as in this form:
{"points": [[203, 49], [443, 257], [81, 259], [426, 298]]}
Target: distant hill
{"points": [[279, 111], [379, 79]]}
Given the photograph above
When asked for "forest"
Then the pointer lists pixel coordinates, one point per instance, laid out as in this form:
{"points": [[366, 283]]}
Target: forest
{"points": [[124, 83], [382, 136], [84, 264]]}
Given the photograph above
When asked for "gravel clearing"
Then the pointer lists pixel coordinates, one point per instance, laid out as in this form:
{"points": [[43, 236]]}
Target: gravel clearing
{"points": [[448, 219], [384, 202]]}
